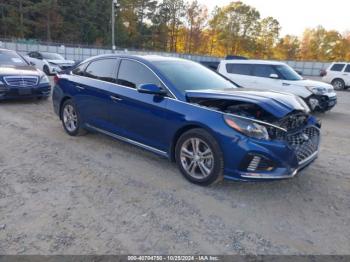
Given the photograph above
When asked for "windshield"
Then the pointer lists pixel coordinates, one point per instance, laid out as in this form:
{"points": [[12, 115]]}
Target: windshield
{"points": [[187, 75], [52, 56], [11, 58], [288, 73]]}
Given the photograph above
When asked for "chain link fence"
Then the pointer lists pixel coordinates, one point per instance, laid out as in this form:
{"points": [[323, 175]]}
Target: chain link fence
{"points": [[79, 53]]}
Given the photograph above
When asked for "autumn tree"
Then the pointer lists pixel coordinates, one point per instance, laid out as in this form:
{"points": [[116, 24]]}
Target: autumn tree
{"points": [[287, 48]]}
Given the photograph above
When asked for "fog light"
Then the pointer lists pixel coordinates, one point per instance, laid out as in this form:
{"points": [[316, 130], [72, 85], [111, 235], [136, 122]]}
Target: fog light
{"points": [[253, 165]]}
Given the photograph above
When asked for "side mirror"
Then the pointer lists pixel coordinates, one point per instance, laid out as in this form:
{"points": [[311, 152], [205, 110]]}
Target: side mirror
{"points": [[274, 76], [151, 89], [32, 63]]}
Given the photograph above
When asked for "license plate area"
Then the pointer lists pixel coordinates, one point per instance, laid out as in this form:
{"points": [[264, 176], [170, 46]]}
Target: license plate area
{"points": [[24, 91]]}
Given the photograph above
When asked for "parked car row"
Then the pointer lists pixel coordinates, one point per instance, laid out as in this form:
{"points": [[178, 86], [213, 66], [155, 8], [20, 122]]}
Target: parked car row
{"points": [[181, 110]]}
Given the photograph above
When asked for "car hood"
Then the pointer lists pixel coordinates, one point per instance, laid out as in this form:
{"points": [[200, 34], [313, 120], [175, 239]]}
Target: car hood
{"points": [[19, 70], [276, 103], [61, 62], [312, 83]]}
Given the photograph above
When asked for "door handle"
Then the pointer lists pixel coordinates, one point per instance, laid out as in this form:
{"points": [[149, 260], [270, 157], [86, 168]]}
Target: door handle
{"points": [[80, 87], [116, 98], [285, 84]]}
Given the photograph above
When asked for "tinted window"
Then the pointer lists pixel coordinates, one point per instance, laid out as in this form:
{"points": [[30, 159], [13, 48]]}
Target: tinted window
{"points": [[239, 69], [287, 73], [187, 75], [347, 69], [33, 55], [337, 67], [52, 56], [103, 69], [263, 70], [80, 70], [132, 74]]}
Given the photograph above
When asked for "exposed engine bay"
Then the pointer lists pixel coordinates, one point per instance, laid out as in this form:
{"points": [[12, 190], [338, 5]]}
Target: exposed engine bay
{"points": [[291, 122], [240, 108]]}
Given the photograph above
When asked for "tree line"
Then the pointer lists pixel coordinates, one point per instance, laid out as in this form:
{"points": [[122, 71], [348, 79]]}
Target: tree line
{"points": [[168, 25]]}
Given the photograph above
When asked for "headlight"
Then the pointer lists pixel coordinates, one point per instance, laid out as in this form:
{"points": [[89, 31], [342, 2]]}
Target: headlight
{"points": [[317, 90], [247, 127], [44, 80]]}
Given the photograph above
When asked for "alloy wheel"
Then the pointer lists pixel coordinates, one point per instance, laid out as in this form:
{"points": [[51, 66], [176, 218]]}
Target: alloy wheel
{"points": [[70, 118], [338, 85], [197, 158]]}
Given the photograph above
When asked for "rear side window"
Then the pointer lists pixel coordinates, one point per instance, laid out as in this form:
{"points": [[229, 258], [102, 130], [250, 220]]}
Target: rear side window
{"points": [[347, 69], [103, 69], [239, 69], [263, 70], [337, 67], [132, 74]]}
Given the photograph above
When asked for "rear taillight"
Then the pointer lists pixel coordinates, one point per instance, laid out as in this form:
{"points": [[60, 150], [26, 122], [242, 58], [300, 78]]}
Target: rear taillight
{"points": [[323, 72], [55, 79]]}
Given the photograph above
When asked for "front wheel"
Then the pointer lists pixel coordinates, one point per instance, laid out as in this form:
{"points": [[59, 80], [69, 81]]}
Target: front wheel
{"points": [[71, 119], [199, 157]]}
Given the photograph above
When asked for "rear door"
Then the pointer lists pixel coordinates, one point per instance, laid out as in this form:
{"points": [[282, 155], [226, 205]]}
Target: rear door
{"points": [[93, 91]]}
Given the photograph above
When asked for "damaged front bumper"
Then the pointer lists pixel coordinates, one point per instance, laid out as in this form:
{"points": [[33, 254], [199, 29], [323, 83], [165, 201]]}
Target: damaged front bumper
{"points": [[274, 160], [322, 102]]}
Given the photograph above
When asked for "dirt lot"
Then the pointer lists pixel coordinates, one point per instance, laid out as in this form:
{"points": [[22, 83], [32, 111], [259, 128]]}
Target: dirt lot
{"points": [[95, 195]]}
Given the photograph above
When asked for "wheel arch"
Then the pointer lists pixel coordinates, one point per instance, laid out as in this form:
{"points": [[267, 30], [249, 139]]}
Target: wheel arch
{"points": [[183, 130], [337, 78], [63, 100]]}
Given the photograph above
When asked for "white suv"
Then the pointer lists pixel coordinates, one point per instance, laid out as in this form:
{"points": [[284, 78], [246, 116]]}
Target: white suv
{"points": [[270, 75], [338, 74]]}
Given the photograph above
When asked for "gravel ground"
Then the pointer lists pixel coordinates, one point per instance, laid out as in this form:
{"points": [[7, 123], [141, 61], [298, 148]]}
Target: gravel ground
{"points": [[95, 195]]}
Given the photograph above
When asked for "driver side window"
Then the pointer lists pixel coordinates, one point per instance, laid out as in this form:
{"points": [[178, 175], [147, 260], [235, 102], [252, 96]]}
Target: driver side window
{"points": [[132, 74], [263, 71]]}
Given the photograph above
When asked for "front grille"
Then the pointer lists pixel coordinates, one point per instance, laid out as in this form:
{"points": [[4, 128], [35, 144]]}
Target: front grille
{"points": [[305, 142], [21, 81]]}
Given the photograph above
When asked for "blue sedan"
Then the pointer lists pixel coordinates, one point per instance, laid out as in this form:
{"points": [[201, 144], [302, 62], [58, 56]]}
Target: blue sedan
{"points": [[186, 112]]}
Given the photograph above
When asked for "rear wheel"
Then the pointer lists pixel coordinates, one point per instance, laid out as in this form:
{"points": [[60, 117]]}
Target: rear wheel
{"points": [[199, 157], [338, 84], [71, 119]]}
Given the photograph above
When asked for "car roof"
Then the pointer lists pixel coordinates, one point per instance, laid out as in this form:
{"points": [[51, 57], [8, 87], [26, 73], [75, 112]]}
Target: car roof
{"points": [[149, 58], [258, 62]]}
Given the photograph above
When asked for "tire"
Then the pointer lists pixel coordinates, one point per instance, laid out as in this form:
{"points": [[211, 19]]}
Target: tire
{"points": [[198, 168], [338, 84], [71, 119], [46, 70]]}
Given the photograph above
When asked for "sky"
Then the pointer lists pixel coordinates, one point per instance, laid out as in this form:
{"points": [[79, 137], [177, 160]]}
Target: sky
{"points": [[296, 15]]}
